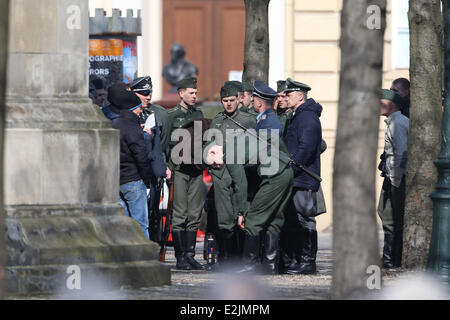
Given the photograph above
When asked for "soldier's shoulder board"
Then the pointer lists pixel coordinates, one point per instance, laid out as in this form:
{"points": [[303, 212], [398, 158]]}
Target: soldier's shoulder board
{"points": [[157, 106]]}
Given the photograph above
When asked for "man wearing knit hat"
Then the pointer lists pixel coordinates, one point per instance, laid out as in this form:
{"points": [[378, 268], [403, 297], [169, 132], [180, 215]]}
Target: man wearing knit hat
{"points": [[135, 169]]}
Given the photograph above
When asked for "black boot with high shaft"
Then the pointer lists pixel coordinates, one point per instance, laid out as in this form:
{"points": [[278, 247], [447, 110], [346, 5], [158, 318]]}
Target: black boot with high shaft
{"points": [[180, 250], [271, 254], [191, 240], [251, 256], [307, 263], [387, 261]]}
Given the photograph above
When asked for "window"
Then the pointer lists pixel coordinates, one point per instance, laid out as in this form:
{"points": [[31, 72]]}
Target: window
{"points": [[400, 34]]}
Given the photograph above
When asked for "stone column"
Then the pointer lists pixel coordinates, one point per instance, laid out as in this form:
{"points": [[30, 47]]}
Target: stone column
{"points": [[4, 5], [62, 162]]}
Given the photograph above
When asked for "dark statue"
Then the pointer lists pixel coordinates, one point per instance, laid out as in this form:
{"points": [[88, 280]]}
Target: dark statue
{"points": [[178, 68]]}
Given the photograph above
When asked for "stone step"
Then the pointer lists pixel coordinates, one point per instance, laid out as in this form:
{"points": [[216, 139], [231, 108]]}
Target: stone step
{"points": [[94, 278], [75, 240]]}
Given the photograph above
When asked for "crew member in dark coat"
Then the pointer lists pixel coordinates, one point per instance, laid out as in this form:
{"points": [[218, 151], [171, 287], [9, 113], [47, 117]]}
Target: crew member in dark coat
{"points": [[157, 146], [304, 141], [143, 87], [135, 169]]}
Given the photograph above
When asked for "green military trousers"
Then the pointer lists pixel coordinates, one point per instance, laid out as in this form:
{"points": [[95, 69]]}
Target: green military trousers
{"points": [[266, 211], [188, 198], [223, 200]]}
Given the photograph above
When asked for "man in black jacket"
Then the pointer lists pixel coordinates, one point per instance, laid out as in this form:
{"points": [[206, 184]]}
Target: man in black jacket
{"points": [[135, 168], [304, 141]]}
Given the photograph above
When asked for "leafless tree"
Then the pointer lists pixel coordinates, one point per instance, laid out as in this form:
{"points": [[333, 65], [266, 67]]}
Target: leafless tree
{"points": [[426, 34], [256, 57], [355, 239]]}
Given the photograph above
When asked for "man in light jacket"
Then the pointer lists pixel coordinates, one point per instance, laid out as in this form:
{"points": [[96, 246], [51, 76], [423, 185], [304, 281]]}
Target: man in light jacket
{"points": [[393, 193]]}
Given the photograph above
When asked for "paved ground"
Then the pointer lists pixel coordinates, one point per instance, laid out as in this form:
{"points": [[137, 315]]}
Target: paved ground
{"points": [[198, 285]]}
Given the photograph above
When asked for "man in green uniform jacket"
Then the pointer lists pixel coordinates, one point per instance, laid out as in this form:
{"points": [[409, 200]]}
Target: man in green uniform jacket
{"points": [[264, 217], [187, 180], [226, 235], [284, 112]]}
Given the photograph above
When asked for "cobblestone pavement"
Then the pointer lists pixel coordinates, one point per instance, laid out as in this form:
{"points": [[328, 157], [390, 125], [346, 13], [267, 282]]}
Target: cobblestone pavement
{"points": [[199, 285]]}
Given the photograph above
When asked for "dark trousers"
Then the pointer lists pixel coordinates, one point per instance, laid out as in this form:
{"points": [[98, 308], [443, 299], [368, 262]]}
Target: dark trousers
{"points": [[392, 212]]}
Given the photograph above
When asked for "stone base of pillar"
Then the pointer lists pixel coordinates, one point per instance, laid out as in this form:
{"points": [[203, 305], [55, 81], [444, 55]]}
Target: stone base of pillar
{"points": [[109, 248]]}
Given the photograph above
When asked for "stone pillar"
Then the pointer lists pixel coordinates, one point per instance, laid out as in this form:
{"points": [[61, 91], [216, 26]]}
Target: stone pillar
{"points": [[62, 162], [4, 5]]}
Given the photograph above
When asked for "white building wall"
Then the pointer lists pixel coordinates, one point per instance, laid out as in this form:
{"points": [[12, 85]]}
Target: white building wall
{"points": [[277, 40]]}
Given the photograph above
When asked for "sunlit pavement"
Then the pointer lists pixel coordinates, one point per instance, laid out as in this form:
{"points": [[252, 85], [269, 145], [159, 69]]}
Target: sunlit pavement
{"points": [[198, 285]]}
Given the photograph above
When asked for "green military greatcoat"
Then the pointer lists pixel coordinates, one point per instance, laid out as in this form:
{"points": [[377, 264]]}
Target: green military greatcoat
{"points": [[266, 210], [284, 115], [223, 184]]}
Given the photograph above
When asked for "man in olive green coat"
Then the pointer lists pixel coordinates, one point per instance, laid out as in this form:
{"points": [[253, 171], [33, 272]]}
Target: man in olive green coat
{"points": [[284, 112], [223, 184], [247, 99], [187, 180], [264, 217]]}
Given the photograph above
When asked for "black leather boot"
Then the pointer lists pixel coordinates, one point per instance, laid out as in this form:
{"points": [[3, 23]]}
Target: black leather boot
{"points": [[307, 264], [227, 250], [387, 260], [270, 256], [179, 245], [191, 240], [251, 256], [289, 243]]}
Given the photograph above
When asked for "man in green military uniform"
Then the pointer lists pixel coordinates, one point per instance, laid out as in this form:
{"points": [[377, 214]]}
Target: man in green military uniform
{"points": [[264, 217], [247, 100], [284, 112], [187, 180], [223, 184]]}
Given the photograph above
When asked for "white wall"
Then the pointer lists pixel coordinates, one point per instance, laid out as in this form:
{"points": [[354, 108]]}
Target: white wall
{"points": [[277, 38]]}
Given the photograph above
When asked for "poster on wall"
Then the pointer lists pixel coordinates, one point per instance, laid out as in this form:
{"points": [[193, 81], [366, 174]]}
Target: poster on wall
{"points": [[112, 60], [129, 61]]}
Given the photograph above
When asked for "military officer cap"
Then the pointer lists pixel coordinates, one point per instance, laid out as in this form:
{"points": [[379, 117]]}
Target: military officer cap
{"points": [[281, 85], [228, 90], [187, 83], [142, 85], [392, 96], [292, 85], [236, 84], [247, 87], [263, 91]]}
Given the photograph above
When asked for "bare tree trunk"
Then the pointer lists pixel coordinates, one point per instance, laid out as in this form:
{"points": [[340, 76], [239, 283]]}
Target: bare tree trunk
{"points": [[425, 20], [256, 56], [355, 239], [4, 13]]}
